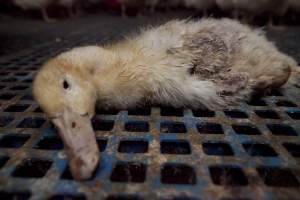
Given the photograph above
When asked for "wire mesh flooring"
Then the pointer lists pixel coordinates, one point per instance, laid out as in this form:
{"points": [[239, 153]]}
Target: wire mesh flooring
{"points": [[251, 151]]}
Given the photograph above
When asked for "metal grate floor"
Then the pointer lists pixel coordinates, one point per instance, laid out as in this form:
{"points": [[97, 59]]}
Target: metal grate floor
{"points": [[247, 152]]}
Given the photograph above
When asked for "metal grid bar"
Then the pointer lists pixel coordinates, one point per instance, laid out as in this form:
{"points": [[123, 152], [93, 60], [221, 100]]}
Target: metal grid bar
{"points": [[247, 152]]}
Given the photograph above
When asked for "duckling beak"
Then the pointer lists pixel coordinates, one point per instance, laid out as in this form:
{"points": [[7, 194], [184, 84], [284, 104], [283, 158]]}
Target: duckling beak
{"points": [[80, 143]]}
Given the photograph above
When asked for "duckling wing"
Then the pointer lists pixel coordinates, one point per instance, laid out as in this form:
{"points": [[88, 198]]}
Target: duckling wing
{"points": [[211, 60]]}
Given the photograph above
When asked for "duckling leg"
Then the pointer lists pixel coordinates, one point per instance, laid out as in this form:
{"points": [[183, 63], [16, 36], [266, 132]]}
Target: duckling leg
{"points": [[46, 16]]}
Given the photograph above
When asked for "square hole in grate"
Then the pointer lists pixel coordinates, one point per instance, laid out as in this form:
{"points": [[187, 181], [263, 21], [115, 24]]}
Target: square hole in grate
{"points": [[294, 114], [17, 108], [203, 113], [67, 174], [217, 149], [285, 103], [13, 140], [172, 127], [133, 146], [257, 102], [29, 80], [123, 197], [3, 160], [68, 197], [281, 129], [137, 126], [101, 144], [32, 168], [209, 128], [274, 93], [50, 143], [27, 97], [129, 172], [145, 111], [277, 177], [293, 149], [14, 195], [178, 174], [5, 120], [11, 79], [38, 110], [235, 114], [106, 111], [7, 96], [267, 114], [179, 198], [19, 87], [256, 149], [32, 122], [169, 111], [175, 147], [102, 125], [228, 175], [245, 129]]}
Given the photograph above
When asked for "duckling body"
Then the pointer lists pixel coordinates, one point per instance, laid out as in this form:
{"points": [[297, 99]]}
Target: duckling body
{"points": [[210, 63]]}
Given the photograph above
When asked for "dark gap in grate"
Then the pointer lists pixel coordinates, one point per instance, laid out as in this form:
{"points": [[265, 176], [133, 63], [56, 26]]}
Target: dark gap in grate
{"points": [[277, 177], [102, 125], [285, 103], [14, 195], [178, 174], [245, 129], [33, 122], [281, 129], [50, 143], [7, 96], [137, 126], [5, 120], [2, 86], [257, 102], [17, 108], [19, 87], [106, 112], [203, 113], [123, 197], [38, 110], [27, 97], [172, 127], [217, 149], [235, 114], [21, 74], [133, 146], [12, 79], [101, 144], [170, 111], [145, 111], [209, 128], [3, 160], [68, 197], [294, 114], [129, 172], [234, 199], [32, 168], [29, 80], [4, 73], [66, 174], [274, 93], [255, 149], [13, 140], [293, 149], [228, 175], [175, 147], [267, 114]]}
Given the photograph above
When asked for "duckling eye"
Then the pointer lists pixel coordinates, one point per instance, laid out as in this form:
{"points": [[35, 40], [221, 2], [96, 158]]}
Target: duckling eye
{"points": [[66, 84]]}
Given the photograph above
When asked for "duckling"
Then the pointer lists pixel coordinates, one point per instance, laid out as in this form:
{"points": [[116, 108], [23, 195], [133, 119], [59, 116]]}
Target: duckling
{"points": [[207, 63], [41, 5]]}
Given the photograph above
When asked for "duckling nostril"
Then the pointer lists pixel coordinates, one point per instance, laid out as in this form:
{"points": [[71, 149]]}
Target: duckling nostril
{"points": [[73, 124]]}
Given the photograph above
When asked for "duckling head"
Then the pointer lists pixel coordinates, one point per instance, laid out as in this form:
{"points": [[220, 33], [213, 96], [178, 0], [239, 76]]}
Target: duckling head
{"points": [[66, 93]]}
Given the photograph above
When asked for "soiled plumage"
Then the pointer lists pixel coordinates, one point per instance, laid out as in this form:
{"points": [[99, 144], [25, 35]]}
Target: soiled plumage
{"points": [[210, 63]]}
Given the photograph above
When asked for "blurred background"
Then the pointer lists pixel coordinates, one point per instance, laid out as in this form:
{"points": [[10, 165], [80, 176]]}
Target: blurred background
{"points": [[26, 23]]}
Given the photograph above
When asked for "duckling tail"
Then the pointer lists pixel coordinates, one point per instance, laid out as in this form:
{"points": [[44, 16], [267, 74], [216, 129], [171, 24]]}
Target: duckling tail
{"points": [[294, 79]]}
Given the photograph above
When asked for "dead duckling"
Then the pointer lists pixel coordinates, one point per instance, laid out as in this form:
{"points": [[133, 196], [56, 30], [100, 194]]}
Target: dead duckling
{"points": [[210, 63]]}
